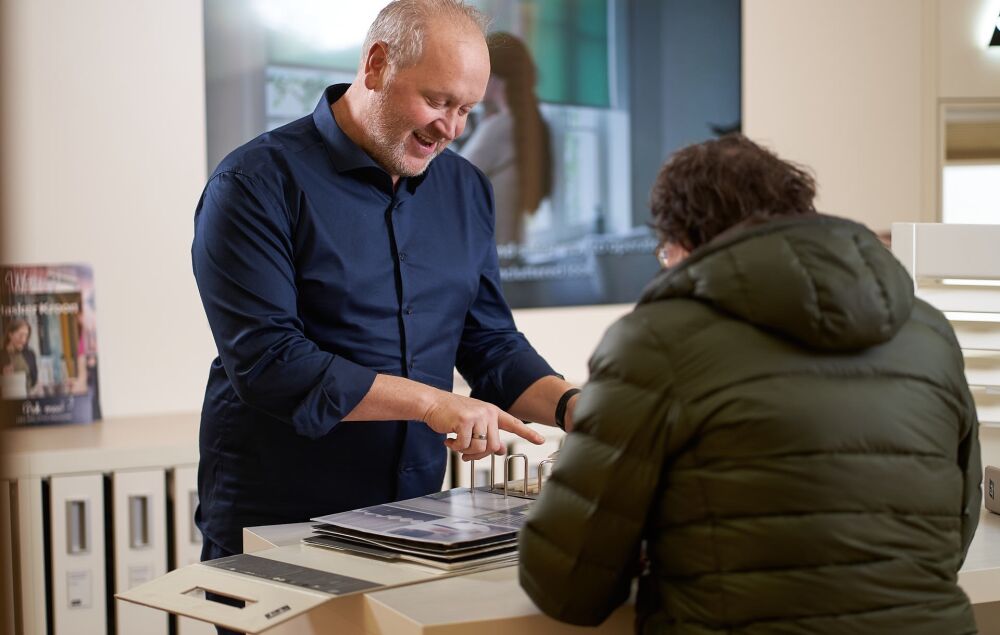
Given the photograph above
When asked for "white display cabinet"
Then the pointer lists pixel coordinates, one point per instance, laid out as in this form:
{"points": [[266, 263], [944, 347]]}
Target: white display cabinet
{"points": [[66, 477]]}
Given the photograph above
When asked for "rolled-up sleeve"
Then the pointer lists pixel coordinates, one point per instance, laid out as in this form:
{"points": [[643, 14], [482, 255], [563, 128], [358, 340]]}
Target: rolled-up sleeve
{"points": [[493, 356], [244, 266]]}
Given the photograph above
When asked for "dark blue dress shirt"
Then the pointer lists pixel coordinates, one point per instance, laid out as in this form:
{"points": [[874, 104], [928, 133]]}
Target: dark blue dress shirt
{"points": [[316, 275]]}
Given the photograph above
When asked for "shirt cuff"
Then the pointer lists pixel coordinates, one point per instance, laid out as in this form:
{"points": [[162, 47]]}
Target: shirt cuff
{"points": [[344, 385], [347, 384]]}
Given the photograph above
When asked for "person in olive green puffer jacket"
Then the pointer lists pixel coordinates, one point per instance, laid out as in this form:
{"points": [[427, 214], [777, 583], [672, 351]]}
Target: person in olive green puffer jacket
{"points": [[778, 439]]}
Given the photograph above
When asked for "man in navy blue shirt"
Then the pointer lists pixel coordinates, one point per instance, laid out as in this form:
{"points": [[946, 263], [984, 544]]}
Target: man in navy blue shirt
{"points": [[347, 264]]}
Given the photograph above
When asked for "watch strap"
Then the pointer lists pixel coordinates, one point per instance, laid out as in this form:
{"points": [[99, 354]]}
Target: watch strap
{"points": [[561, 407]]}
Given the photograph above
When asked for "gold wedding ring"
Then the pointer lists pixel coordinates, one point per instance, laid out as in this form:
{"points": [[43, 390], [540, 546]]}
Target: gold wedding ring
{"points": [[481, 437]]}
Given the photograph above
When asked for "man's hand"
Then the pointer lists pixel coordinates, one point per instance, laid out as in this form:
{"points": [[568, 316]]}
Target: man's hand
{"points": [[476, 425]]}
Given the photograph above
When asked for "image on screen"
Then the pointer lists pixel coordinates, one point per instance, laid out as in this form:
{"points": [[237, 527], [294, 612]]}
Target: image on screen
{"points": [[586, 100]]}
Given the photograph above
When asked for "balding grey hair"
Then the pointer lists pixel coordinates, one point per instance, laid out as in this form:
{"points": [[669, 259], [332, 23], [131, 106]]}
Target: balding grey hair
{"points": [[402, 26]]}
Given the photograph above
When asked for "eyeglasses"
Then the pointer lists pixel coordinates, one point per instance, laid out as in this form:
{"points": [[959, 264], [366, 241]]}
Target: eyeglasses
{"points": [[663, 255]]}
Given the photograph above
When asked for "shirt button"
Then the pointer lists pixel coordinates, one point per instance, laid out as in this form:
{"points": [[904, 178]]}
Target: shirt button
{"points": [[411, 364], [409, 310], [402, 256]]}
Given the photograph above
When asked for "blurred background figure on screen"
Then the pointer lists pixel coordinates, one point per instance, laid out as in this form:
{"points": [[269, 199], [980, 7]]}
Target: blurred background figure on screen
{"points": [[511, 144]]}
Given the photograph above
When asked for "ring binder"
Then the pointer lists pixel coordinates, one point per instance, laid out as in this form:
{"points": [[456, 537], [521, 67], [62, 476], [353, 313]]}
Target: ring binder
{"points": [[541, 470], [506, 471], [525, 491]]}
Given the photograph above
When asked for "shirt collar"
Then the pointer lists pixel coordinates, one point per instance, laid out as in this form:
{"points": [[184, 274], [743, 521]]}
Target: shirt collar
{"points": [[344, 153]]}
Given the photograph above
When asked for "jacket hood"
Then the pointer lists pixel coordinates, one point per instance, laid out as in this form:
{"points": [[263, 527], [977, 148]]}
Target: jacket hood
{"points": [[825, 282]]}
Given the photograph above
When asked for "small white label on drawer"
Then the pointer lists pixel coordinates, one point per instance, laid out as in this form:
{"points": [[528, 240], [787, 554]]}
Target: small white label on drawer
{"points": [[139, 574], [79, 589]]}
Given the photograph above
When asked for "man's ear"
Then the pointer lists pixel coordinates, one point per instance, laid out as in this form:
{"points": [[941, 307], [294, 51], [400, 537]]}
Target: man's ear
{"points": [[376, 66]]}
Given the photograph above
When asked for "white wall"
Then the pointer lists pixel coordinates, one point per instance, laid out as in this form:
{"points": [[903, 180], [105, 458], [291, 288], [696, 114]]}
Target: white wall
{"points": [[567, 336], [967, 68], [104, 159], [852, 88], [838, 86]]}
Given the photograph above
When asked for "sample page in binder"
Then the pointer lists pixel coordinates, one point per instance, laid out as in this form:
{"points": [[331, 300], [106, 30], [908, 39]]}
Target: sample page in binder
{"points": [[451, 529]]}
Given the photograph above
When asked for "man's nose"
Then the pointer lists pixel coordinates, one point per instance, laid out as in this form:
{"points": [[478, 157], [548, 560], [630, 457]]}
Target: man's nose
{"points": [[450, 125]]}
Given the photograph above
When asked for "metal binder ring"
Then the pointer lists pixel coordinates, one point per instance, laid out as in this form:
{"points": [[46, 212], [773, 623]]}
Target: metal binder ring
{"points": [[481, 437]]}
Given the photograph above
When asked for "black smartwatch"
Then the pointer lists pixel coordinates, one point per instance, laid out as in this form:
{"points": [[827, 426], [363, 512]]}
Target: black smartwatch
{"points": [[561, 407]]}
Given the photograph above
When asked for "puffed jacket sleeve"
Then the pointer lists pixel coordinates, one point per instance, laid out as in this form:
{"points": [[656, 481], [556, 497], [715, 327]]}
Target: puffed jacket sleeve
{"points": [[968, 459], [970, 462], [579, 549]]}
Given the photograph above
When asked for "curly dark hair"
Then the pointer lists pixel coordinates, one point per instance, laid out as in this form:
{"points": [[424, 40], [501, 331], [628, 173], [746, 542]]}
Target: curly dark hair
{"points": [[706, 188]]}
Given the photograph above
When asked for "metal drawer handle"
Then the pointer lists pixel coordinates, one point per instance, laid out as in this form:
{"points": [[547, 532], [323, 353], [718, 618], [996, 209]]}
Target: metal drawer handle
{"points": [[138, 522]]}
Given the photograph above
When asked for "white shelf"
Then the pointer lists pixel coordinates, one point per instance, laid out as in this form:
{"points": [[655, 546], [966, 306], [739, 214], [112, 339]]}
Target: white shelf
{"points": [[120, 443]]}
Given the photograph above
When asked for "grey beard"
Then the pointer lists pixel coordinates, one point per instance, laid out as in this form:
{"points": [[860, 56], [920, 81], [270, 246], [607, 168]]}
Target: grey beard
{"points": [[389, 152]]}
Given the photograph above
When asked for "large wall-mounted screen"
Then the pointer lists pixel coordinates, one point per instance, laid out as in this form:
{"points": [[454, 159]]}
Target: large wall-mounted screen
{"points": [[586, 100]]}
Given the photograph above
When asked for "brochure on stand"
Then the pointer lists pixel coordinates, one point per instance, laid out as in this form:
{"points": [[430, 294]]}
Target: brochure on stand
{"points": [[48, 361]]}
